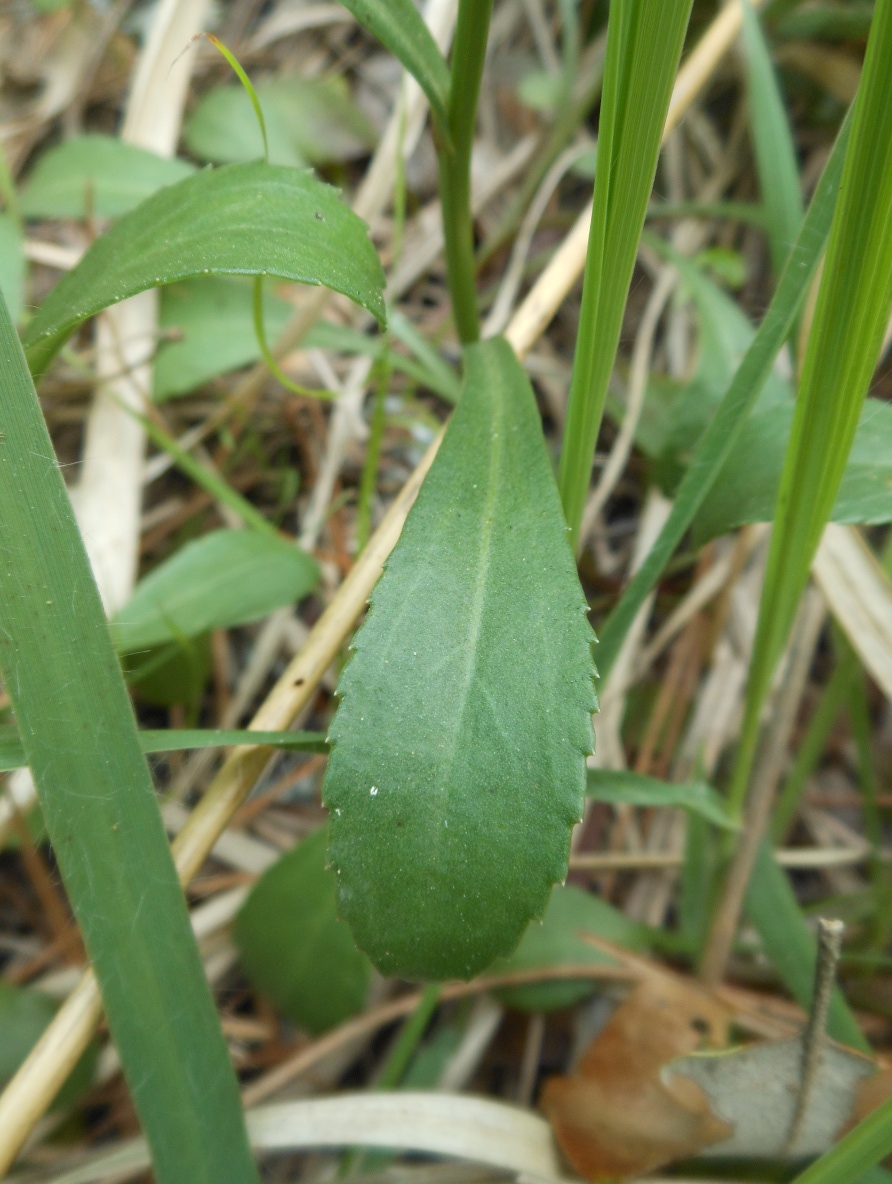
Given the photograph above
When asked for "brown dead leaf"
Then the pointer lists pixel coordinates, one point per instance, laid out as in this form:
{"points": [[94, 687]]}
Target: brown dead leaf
{"points": [[615, 1116]]}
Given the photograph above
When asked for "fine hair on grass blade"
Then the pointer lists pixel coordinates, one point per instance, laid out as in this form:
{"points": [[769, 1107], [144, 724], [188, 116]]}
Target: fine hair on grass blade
{"points": [[850, 319], [80, 737], [718, 440], [644, 42]]}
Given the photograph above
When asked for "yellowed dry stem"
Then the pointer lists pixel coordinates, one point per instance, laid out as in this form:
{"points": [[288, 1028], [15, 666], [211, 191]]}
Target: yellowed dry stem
{"points": [[31, 1091]]}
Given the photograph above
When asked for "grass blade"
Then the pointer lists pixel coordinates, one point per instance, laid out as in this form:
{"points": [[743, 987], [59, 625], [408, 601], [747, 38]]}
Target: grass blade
{"points": [[452, 792], [856, 1153], [644, 43], [773, 143], [719, 439], [241, 219], [12, 751], [81, 742], [850, 318], [398, 25]]}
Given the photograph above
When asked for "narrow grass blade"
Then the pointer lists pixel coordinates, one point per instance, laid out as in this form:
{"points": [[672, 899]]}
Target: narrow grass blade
{"points": [[457, 767], [773, 909], [773, 142], [241, 219], [80, 738], [850, 318], [398, 25], [856, 1153], [644, 43], [718, 441], [12, 751]]}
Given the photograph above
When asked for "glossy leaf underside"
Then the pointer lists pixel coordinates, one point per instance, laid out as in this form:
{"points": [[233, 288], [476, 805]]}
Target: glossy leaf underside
{"points": [[457, 768], [241, 219]]}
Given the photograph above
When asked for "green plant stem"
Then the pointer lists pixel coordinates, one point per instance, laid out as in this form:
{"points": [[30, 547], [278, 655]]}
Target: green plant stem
{"points": [[269, 357], [468, 56], [413, 1029]]}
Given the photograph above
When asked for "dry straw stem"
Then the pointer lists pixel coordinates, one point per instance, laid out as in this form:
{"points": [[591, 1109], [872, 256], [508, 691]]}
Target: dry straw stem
{"points": [[31, 1091]]}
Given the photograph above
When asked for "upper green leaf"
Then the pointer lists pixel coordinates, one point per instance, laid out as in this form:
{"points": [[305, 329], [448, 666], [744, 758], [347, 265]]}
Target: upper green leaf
{"points": [[242, 219], [98, 175], [226, 578], [458, 768], [399, 26]]}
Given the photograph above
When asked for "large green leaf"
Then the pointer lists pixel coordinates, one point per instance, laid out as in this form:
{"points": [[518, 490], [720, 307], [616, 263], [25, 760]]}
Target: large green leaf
{"points": [[98, 175], [308, 121], [457, 768], [398, 25], [747, 487], [293, 947], [75, 718], [242, 219], [223, 579]]}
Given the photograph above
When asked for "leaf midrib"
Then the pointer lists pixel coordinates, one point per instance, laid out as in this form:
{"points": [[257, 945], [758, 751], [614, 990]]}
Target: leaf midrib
{"points": [[475, 619]]}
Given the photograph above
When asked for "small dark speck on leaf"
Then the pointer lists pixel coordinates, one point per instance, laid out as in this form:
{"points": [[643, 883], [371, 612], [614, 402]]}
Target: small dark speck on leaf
{"points": [[320, 217], [299, 682]]}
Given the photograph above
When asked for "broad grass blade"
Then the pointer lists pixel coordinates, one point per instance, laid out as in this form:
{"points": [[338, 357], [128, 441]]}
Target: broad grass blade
{"points": [[80, 738], [241, 219], [457, 767]]}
